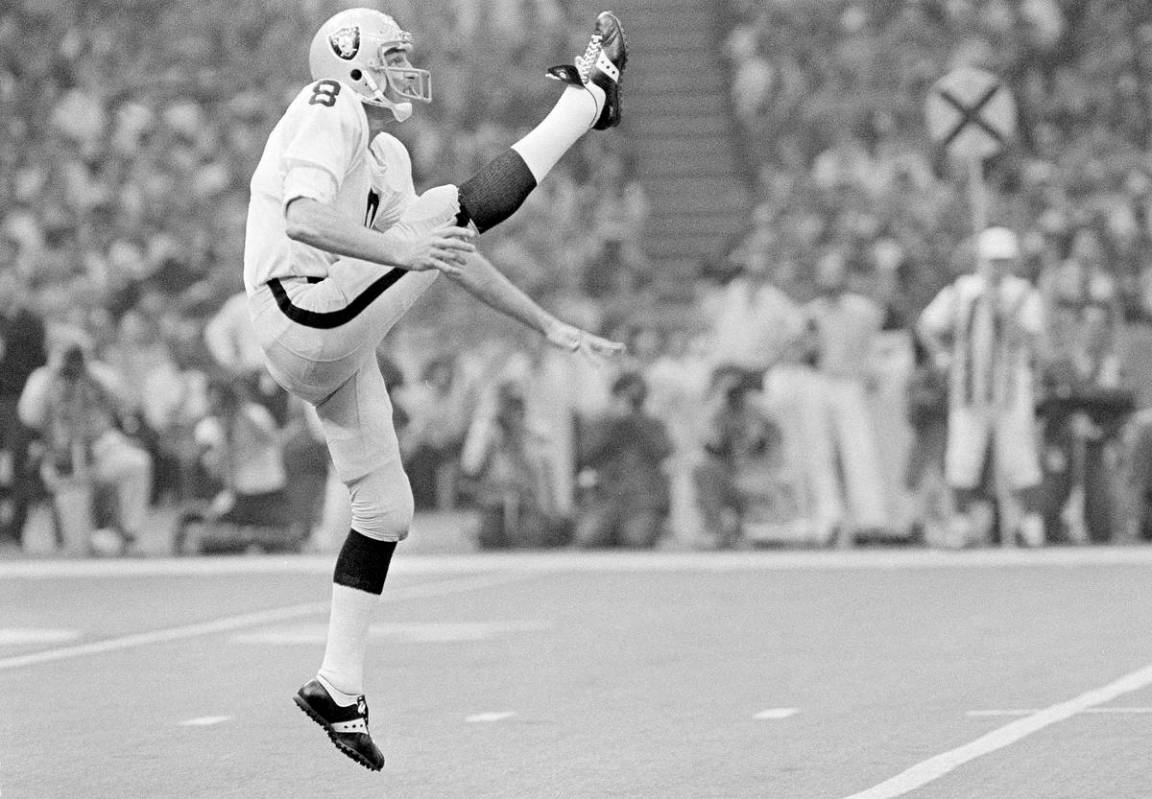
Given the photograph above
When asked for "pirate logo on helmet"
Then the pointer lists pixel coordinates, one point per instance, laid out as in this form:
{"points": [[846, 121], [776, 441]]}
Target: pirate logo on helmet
{"points": [[346, 42]]}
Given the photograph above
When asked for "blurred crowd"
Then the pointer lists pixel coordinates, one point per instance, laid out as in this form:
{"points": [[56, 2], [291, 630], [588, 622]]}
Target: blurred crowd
{"points": [[125, 162], [812, 389]]}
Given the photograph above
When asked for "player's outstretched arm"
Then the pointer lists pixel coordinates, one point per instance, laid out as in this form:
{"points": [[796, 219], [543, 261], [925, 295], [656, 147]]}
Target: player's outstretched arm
{"points": [[489, 285], [318, 225]]}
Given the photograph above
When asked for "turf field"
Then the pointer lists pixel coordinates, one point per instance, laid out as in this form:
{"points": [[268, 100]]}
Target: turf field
{"points": [[792, 675]]}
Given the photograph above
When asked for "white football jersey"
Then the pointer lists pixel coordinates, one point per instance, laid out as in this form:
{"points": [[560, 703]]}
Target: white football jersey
{"points": [[320, 150]]}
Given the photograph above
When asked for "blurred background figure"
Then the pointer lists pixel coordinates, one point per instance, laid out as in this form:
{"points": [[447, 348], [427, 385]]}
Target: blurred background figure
{"points": [[1084, 405], [623, 457], [78, 406], [737, 435], [509, 478], [22, 351], [849, 482], [986, 328], [306, 473], [242, 447], [926, 406], [754, 321], [233, 344], [437, 409], [678, 387]]}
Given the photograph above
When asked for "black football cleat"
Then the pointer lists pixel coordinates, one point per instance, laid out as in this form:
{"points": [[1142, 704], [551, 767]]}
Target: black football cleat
{"points": [[346, 726], [603, 64]]}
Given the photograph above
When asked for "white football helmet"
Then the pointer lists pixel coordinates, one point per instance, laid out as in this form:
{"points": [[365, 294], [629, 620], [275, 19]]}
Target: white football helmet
{"points": [[352, 46]]}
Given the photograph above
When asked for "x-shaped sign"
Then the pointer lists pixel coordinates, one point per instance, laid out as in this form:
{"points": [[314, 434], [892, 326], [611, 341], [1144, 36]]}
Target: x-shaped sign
{"points": [[970, 114]]}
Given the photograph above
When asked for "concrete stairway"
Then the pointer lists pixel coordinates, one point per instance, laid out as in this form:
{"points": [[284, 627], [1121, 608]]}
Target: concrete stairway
{"points": [[676, 114]]}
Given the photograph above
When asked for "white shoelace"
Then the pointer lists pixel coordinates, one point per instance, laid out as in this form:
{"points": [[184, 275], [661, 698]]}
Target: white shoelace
{"points": [[585, 62]]}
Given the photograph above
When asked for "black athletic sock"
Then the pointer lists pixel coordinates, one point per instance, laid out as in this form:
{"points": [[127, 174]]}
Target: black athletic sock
{"points": [[495, 192], [363, 563]]}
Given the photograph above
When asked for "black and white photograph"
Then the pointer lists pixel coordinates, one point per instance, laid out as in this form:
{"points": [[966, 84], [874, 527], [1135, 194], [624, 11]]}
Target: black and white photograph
{"points": [[547, 399]]}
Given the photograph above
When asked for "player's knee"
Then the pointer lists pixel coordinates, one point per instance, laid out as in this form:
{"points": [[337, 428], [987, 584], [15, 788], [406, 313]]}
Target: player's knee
{"points": [[382, 506]]}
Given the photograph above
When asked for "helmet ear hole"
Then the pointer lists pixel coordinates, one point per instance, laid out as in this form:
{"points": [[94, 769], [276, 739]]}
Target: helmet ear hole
{"points": [[356, 74]]}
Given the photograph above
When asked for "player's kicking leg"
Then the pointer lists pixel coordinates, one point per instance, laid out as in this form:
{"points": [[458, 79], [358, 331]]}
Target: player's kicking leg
{"points": [[591, 101]]}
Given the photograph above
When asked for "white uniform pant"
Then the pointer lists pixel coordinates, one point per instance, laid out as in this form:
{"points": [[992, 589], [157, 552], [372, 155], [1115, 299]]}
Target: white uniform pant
{"points": [[1011, 432], [831, 440], [319, 341]]}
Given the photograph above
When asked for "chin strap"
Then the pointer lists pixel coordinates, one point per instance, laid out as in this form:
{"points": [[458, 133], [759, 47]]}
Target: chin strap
{"points": [[399, 110]]}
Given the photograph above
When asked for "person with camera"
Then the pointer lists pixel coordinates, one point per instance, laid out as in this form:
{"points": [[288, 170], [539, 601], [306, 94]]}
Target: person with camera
{"points": [[626, 451], [76, 405]]}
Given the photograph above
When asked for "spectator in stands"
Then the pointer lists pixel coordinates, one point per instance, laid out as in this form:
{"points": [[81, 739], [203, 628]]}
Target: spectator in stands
{"points": [[626, 451], [986, 328], [77, 405], [21, 353]]}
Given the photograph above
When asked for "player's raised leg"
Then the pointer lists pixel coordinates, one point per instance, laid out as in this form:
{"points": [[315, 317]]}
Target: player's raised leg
{"points": [[592, 100]]}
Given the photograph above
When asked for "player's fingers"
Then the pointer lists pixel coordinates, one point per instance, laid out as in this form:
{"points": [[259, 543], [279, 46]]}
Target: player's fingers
{"points": [[446, 266], [456, 232], [455, 244], [461, 232]]}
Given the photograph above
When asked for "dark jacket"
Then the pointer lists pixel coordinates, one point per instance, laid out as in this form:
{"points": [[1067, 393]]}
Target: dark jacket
{"points": [[626, 452], [22, 335]]}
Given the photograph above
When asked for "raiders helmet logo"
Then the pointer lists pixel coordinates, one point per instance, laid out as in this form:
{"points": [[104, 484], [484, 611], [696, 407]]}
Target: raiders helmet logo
{"points": [[346, 42]]}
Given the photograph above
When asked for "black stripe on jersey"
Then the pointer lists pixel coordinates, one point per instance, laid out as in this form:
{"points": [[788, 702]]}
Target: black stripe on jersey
{"points": [[326, 320]]}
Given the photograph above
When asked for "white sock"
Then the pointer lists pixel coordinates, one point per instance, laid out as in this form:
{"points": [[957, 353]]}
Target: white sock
{"points": [[571, 117], [343, 666], [338, 696]]}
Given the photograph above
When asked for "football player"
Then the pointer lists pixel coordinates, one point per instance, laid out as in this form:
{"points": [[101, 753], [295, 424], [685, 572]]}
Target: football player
{"points": [[339, 246]]}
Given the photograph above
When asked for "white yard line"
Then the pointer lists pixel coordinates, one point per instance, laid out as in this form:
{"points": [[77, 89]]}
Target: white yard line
{"points": [[481, 718], [22, 636], [936, 767], [205, 721], [1135, 711], [777, 713], [230, 623]]}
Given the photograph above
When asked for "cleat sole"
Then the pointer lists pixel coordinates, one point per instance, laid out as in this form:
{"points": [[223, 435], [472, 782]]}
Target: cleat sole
{"points": [[340, 745]]}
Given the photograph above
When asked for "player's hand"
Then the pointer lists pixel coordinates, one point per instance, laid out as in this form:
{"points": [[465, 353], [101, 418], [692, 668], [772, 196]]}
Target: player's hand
{"points": [[573, 339], [444, 249]]}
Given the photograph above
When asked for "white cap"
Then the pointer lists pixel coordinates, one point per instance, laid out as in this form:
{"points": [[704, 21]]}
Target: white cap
{"points": [[997, 243]]}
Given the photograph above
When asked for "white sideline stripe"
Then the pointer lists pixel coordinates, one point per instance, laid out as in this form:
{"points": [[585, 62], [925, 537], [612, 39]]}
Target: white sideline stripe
{"points": [[777, 713], [229, 623], [428, 632], [612, 561], [15, 636], [936, 767], [1096, 710], [205, 721], [480, 718]]}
